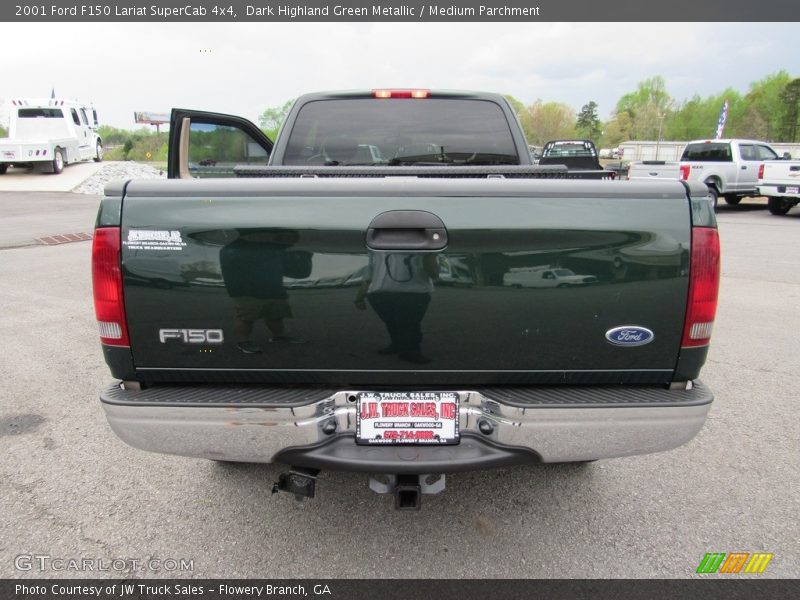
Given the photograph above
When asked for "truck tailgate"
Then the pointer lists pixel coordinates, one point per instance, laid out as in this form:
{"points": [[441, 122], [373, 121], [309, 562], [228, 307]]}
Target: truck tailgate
{"points": [[534, 275]]}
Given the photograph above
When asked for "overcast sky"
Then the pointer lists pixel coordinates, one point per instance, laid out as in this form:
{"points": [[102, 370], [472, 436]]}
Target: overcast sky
{"points": [[243, 68]]}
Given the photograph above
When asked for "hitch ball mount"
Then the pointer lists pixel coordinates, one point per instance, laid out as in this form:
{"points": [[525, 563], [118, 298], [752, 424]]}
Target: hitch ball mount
{"points": [[407, 489]]}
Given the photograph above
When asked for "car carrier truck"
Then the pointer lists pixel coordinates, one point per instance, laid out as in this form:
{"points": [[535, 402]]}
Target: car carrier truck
{"points": [[50, 134]]}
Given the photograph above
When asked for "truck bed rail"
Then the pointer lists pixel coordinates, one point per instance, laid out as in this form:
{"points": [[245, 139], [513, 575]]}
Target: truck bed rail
{"points": [[459, 171]]}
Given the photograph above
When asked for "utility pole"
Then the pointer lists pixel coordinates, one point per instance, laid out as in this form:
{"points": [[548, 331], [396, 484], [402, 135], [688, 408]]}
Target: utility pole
{"points": [[658, 137]]}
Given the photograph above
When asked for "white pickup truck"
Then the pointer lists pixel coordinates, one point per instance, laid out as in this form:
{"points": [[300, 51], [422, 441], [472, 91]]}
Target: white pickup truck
{"points": [[779, 181], [545, 277], [728, 167], [50, 134]]}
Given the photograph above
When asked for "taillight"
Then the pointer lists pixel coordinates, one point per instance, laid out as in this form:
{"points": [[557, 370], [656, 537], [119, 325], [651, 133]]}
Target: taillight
{"points": [[109, 307], [400, 93], [761, 171], [685, 170], [704, 271]]}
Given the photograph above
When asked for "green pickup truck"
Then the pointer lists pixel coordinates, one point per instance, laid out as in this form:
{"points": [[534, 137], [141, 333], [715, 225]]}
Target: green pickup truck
{"points": [[343, 298]]}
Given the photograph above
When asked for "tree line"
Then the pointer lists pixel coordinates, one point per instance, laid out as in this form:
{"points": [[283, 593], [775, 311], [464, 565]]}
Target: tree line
{"points": [[768, 111], [141, 144]]}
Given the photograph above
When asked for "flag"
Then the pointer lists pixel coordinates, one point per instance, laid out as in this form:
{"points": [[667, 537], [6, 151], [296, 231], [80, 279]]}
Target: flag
{"points": [[723, 116], [52, 92]]}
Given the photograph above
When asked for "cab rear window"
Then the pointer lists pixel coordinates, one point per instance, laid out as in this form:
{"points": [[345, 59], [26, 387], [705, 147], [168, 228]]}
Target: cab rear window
{"points": [[569, 149], [370, 131], [40, 113], [711, 152]]}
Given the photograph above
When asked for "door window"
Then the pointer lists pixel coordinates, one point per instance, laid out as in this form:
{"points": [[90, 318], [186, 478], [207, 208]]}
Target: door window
{"points": [[75, 118], [216, 150], [765, 153], [83, 117], [748, 152]]}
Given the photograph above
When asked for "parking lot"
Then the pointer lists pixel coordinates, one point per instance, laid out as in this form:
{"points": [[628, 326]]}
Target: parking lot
{"points": [[71, 489]]}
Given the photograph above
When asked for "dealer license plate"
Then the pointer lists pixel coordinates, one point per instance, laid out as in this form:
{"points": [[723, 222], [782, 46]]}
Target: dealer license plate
{"points": [[407, 418], [791, 190]]}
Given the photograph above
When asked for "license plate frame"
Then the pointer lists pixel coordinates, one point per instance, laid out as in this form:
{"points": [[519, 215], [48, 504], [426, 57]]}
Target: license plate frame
{"points": [[407, 418]]}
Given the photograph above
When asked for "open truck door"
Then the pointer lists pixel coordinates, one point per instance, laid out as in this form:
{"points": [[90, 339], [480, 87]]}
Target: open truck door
{"points": [[211, 145]]}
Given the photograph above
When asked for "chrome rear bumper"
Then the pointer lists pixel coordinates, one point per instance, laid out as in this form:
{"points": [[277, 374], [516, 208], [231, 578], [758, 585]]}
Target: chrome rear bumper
{"points": [[531, 424]]}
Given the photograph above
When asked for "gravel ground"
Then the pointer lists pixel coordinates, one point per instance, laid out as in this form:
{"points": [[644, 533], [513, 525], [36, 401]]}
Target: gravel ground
{"points": [[118, 170]]}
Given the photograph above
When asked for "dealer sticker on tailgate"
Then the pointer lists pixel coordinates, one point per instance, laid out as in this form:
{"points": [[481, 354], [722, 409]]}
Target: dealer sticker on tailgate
{"points": [[407, 418]]}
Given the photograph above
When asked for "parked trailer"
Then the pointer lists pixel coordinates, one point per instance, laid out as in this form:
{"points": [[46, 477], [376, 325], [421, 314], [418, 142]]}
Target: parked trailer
{"points": [[50, 134]]}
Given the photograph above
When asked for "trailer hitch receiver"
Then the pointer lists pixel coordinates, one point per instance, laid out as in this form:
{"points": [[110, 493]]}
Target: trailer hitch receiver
{"points": [[298, 481], [407, 489]]}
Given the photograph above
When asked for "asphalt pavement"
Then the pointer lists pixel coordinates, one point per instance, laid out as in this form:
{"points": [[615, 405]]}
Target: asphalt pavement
{"points": [[70, 489], [27, 180], [27, 216]]}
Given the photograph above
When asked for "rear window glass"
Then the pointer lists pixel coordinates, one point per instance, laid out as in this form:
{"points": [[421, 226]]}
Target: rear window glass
{"points": [[40, 113], [563, 149], [368, 131], [710, 152]]}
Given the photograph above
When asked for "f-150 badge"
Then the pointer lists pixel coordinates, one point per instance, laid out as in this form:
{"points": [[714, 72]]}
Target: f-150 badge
{"points": [[190, 336], [630, 335]]}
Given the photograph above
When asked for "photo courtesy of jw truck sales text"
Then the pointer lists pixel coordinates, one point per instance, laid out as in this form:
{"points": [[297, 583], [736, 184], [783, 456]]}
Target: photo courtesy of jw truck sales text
{"points": [[162, 590], [314, 245]]}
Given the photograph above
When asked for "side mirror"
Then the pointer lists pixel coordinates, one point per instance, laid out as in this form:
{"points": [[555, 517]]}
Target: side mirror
{"points": [[787, 156]]}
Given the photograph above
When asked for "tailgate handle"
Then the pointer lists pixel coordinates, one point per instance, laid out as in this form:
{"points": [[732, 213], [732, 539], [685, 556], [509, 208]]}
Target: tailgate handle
{"points": [[406, 230]]}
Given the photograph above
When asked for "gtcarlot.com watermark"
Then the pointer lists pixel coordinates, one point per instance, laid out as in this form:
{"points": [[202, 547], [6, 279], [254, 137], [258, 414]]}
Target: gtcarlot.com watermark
{"points": [[46, 562]]}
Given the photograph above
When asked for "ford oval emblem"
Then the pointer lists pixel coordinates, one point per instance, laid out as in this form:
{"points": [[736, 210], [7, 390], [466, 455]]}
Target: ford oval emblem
{"points": [[630, 335]]}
